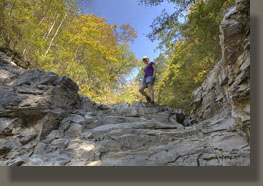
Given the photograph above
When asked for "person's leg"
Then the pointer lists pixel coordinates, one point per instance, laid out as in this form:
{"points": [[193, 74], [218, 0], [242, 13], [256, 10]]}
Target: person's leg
{"points": [[141, 90], [150, 88]]}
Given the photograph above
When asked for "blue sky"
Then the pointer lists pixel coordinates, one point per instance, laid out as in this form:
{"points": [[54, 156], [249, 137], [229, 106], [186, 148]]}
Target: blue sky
{"points": [[139, 17]]}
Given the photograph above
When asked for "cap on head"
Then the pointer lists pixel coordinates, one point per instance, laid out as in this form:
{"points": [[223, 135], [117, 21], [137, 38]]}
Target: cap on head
{"points": [[145, 57]]}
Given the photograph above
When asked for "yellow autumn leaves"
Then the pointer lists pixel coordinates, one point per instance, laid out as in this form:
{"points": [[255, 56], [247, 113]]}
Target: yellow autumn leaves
{"points": [[55, 35]]}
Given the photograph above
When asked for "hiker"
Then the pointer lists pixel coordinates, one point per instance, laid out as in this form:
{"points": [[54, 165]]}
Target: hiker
{"points": [[148, 80]]}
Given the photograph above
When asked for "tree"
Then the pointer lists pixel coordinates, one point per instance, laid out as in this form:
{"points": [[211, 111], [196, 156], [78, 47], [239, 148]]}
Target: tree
{"points": [[55, 35], [164, 21]]}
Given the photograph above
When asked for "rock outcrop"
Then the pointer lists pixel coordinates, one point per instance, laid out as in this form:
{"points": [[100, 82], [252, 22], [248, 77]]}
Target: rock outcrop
{"points": [[44, 122], [228, 84]]}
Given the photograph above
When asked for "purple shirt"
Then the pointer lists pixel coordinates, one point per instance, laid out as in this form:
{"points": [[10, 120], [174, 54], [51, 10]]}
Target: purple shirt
{"points": [[148, 70]]}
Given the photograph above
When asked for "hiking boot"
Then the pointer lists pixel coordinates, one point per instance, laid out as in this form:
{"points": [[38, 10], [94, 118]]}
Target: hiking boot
{"points": [[148, 99]]}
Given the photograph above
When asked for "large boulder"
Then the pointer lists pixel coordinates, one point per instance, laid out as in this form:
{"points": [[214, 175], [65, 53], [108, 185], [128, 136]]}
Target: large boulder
{"points": [[33, 99]]}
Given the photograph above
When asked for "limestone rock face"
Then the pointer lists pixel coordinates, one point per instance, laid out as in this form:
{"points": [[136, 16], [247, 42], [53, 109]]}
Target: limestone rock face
{"points": [[228, 84], [44, 122]]}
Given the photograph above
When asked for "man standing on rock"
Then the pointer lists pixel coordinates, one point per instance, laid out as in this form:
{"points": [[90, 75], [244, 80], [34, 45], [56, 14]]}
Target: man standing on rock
{"points": [[148, 80]]}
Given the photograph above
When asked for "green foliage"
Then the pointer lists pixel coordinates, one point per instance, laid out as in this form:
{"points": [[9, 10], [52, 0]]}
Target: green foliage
{"points": [[165, 21], [192, 48]]}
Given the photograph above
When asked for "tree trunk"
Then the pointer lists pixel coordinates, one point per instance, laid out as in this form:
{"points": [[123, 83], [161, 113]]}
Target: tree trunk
{"points": [[24, 51], [76, 52], [41, 20], [55, 34], [51, 27], [46, 13]]}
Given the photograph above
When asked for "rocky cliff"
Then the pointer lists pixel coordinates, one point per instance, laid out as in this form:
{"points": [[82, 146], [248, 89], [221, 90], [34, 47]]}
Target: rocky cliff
{"points": [[228, 84], [44, 122]]}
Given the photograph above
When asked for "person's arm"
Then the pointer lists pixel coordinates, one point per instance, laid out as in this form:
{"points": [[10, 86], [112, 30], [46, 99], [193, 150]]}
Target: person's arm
{"points": [[154, 70]]}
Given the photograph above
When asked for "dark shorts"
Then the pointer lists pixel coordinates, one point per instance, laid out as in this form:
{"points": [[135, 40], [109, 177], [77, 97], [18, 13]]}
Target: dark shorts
{"points": [[148, 79]]}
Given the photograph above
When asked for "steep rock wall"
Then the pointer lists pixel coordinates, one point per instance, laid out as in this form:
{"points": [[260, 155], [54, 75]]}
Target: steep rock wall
{"points": [[228, 84]]}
